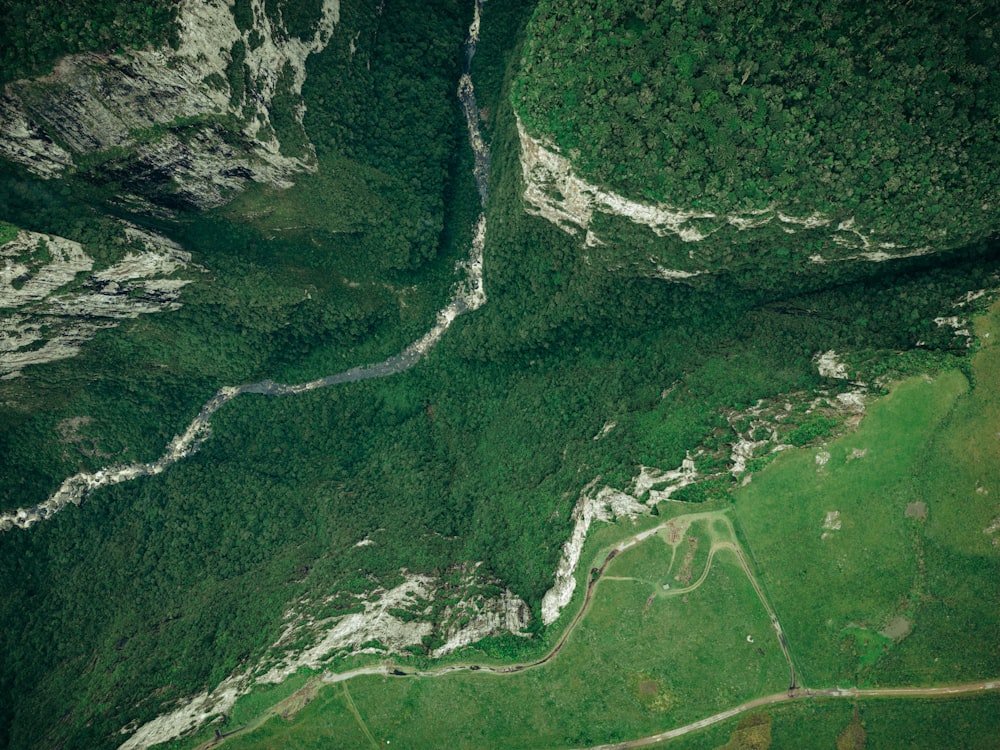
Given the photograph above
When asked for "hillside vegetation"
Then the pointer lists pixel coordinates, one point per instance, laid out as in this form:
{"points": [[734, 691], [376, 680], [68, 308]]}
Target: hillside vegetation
{"points": [[154, 590], [34, 35], [885, 112]]}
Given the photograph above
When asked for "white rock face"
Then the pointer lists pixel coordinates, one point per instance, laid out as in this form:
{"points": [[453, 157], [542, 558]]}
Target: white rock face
{"points": [[745, 449], [554, 191], [607, 504], [93, 103], [26, 143], [831, 523], [670, 274], [506, 613], [852, 400], [376, 622], [829, 366], [56, 304], [188, 717], [342, 634]]}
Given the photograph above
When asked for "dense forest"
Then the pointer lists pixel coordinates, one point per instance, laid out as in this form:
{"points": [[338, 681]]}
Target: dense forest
{"points": [[34, 35], [883, 112], [154, 590]]}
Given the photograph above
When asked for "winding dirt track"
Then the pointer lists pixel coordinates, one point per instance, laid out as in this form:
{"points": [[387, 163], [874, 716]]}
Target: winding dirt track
{"points": [[512, 668], [792, 678], [794, 693], [595, 577], [799, 694]]}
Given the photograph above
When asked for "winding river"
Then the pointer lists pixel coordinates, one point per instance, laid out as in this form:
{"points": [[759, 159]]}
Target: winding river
{"points": [[468, 295]]}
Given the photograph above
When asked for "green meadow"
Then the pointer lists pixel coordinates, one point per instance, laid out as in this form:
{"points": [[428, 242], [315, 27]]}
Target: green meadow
{"points": [[644, 656], [971, 723], [876, 548]]}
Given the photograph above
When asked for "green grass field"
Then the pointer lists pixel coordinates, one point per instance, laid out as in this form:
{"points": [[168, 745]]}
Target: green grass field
{"points": [[931, 724], [958, 627], [825, 579], [642, 657], [880, 561], [963, 469]]}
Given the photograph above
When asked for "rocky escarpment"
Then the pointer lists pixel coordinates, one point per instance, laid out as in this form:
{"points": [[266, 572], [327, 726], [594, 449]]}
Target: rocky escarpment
{"points": [[604, 503], [770, 142], [56, 302], [555, 191], [386, 622], [175, 127]]}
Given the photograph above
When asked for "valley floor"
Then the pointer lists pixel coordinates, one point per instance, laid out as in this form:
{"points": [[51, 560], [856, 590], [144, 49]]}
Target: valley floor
{"points": [[679, 614]]}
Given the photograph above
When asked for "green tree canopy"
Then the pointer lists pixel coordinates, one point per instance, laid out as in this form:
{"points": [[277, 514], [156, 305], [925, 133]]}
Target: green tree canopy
{"points": [[886, 111]]}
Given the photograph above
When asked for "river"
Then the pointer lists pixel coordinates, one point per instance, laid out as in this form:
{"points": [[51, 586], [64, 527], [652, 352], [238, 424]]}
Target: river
{"points": [[468, 295]]}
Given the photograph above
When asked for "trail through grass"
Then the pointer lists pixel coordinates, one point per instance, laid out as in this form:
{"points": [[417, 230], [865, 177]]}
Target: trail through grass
{"points": [[877, 548], [643, 655]]}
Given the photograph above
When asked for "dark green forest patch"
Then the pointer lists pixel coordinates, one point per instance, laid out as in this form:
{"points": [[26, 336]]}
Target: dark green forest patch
{"points": [[154, 590], [882, 113], [34, 35]]}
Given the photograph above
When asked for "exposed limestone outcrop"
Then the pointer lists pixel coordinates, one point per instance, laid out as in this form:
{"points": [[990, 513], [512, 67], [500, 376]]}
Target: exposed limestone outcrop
{"points": [[25, 142], [326, 638], [478, 617], [607, 504], [167, 123], [472, 618], [829, 366], [57, 303], [554, 191], [761, 430]]}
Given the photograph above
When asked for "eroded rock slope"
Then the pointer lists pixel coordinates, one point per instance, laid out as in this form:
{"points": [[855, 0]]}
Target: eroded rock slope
{"points": [[184, 127]]}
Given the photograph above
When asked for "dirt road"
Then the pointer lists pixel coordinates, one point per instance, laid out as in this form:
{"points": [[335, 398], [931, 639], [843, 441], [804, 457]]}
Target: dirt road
{"points": [[794, 695]]}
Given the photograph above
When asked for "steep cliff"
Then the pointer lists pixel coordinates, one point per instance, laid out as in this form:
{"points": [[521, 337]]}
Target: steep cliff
{"points": [[184, 127], [347, 511], [777, 136], [57, 301]]}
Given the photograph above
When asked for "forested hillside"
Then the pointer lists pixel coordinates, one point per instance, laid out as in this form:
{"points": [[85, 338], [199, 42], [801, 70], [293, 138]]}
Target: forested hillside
{"points": [[343, 269], [788, 132], [585, 364], [34, 35]]}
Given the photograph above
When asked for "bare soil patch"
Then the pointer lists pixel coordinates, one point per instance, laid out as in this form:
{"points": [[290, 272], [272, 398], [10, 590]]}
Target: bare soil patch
{"points": [[752, 733], [684, 574], [649, 601], [917, 510], [853, 736], [831, 522], [673, 532], [897, 629], [298, 700]]}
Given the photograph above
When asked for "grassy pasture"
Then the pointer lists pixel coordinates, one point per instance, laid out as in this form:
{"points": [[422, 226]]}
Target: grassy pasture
{"points": [[641, 658], [964, 468], [958, 627], [836, 551], [899, 587], [971, 723]]}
